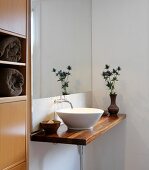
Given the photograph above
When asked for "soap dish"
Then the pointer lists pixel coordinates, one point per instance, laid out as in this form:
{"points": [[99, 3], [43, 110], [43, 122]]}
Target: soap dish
{"points": [[50, 126]]}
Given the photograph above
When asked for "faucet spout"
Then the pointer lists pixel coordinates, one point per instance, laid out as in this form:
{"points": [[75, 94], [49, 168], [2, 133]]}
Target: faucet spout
{"points": [[63, 101], [69, 103]]}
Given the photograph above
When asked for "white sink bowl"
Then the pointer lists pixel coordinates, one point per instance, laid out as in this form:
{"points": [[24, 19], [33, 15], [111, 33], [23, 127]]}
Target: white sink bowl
{"points": [[80, 118]]}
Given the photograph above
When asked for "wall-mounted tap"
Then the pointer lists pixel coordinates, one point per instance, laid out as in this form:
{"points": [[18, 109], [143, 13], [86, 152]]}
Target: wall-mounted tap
{"points": [[63, 101]]}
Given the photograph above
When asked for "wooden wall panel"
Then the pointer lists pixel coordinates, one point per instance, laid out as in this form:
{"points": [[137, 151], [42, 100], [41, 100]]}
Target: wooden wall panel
{"points": [[12, 133], [13, 16]]}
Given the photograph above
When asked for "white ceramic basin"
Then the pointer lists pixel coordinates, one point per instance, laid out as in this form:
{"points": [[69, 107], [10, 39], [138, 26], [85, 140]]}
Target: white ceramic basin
{"points": [[80, 118]]}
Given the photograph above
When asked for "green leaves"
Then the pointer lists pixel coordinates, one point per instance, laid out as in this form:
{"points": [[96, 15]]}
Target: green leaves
{"points": [[110, 77], [63, 78]]}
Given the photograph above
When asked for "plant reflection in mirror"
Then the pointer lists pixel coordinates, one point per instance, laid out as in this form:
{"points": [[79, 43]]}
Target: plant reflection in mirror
{"points": [[63, 77]]}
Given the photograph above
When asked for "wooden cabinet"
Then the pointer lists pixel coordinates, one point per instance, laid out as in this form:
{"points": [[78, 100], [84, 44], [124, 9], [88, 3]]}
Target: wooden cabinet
{"points": [[14, 113], [12, 133], [13, 16]]}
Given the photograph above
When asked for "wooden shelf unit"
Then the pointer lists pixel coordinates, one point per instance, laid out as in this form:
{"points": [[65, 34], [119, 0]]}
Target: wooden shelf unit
{"points": [[82, 137], [15, 111]]}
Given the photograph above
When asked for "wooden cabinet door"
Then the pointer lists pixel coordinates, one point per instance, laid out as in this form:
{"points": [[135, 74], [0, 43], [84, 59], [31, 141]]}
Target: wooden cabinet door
{"points": [[19, 167], [12, 133], [13, 16]]}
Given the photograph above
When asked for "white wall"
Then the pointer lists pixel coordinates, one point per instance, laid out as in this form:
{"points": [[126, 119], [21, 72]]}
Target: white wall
{"points": [[121, 37], [47, 156], [62, 37]]}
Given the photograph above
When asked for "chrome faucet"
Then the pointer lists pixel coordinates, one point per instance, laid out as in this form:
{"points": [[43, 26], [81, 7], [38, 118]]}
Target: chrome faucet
{"points": [[63, 101]]}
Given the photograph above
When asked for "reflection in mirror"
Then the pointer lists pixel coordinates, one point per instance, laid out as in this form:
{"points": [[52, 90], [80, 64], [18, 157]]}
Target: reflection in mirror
{"points": [[61, 36]]}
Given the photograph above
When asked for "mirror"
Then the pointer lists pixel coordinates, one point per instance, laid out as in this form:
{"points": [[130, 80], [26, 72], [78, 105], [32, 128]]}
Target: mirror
{"points": [[61, 36]]}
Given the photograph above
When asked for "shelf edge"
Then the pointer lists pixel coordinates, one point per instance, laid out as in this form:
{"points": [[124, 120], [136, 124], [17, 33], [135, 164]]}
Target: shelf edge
{"points": [[12, 33], [12, 99], [12, 63]]}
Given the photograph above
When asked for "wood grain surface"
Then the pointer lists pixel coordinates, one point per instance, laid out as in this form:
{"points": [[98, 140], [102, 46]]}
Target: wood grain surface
{"points": [[12, 133], [13, 16], [82, 137]]}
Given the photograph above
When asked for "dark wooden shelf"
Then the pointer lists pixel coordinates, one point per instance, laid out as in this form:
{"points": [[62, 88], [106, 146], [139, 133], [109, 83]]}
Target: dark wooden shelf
{"points": [[82, 137]]}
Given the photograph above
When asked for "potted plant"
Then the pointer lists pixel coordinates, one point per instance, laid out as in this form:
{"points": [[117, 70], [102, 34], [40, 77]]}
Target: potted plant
{"points": [[63, 77], [111, 77]]}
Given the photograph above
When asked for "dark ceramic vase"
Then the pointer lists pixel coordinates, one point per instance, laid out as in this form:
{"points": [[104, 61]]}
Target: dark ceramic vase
{"points": [[113, 108]]}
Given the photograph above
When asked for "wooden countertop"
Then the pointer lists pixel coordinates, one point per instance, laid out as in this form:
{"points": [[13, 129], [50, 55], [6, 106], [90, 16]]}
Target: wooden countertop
{"points": [[82, 137]]}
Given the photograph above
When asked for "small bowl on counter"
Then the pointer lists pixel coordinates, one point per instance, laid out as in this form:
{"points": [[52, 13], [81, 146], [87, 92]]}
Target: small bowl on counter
{"points": [[50, 126]]}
